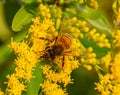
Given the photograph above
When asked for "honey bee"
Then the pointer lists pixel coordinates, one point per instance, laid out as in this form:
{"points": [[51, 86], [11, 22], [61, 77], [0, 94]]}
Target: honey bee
{"points": [[61, 45]]}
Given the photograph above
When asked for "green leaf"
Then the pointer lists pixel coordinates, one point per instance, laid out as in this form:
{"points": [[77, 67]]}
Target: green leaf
{"points": [[5, 52], [94, 17], [24, 17], [83, 78], [27, 1], [100, 52], [34, 85]]}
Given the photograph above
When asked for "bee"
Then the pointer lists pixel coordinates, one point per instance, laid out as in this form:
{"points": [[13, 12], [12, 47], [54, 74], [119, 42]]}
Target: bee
{"points": [[61, 45]]}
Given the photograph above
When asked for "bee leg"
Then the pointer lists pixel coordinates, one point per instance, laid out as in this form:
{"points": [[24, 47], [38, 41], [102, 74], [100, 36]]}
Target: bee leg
{"points": [[40, 92], [55, 39], [49, 40]]}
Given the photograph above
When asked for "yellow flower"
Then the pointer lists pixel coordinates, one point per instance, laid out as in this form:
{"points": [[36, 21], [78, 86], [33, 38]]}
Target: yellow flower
{"points": [[57, 77], [44, 11], [118, 15], [108, 86], [88, 67], [50, 88], [25, 61], [116, 38], [100, 39], [92, 3], [42, 33], [1, 93], [15, 87], [106, 60], [89, 58], [28, 55], [110, 82], [116, 67]]}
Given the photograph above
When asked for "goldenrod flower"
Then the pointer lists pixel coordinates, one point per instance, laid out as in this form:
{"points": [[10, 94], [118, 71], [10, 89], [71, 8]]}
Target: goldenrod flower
{"points": [[1, 93], [106, 60], [93, 3], [100, 39], [116, 67], [108, 86], [41, 42], [50, 88], [44, 11], [63, 76], [42, 33], [110, 82], [28, 55], [15, 87], [89, 58], [116, 38], [118, 15], [25, 63]]}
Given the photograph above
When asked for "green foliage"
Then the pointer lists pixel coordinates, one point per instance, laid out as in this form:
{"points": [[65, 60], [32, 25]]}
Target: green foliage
{"points": [[24, 17], [34, 85], [5, 51], [27, 1], [95, 17], [100, 52]]}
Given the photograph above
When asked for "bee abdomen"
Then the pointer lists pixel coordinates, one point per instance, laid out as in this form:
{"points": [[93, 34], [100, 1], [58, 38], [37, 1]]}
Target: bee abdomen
{"points": [[65, 40]]}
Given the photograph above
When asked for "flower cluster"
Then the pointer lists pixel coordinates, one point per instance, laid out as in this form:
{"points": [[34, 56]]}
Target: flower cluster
{"points": [[115, 67], [118, 14], [15, 87], [100, 39], [108, 86], [43, 31], [56, 75], [89, 58], [1, 93], [28, 53], [110, 82], [24, 65], [46, 29], [116, 38], [50, 88], [116, 9], [93, 3], [106, 60]]}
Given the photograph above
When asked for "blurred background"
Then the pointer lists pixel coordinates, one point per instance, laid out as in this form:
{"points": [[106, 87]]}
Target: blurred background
{"points": [[8, 8]]}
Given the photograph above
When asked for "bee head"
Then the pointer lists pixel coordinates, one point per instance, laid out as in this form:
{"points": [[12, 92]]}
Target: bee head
{"points": [[58, 50], [48, 55]]}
